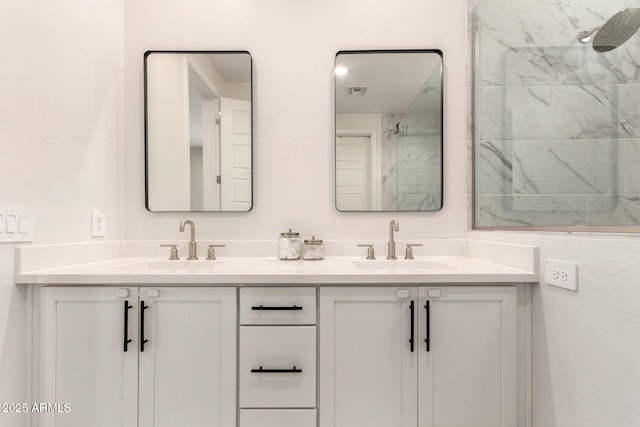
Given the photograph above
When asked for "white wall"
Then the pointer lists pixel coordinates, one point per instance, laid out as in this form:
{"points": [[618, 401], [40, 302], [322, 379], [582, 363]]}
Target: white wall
{"points": [[293, 45], [586, 344], [60, 139]]}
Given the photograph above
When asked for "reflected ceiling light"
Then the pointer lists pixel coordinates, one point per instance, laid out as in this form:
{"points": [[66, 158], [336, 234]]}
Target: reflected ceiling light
{"points": [[341, 71]]}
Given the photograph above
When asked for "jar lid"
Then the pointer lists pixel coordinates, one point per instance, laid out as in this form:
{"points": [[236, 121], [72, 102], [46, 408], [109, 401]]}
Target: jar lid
{"points": [[289, 233], [313, 241]]}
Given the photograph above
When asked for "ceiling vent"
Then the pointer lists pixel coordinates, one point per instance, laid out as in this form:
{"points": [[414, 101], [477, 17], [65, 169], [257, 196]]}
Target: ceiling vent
{"points": [[356, 90]]}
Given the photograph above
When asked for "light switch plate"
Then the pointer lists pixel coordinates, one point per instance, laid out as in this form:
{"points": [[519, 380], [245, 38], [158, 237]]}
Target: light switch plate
{"points": [[17, 224], [563, 274], [98, 223]]}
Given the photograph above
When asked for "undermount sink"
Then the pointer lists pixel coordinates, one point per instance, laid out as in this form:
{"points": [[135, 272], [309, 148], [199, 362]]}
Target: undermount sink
{"points": [[399, 264], [203, 266], [171, 266]]}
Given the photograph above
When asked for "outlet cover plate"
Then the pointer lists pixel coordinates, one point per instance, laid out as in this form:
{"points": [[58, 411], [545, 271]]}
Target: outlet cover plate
{"points": [[98, 223], [563, 274]]}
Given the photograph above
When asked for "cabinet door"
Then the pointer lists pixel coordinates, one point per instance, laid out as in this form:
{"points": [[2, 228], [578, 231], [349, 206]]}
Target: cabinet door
{"points": [[468, 376], [188, 364], [83, 359], [368, 373]]}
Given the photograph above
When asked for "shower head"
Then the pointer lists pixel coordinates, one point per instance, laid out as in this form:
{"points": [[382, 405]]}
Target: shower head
{"points": [[613, 33]]}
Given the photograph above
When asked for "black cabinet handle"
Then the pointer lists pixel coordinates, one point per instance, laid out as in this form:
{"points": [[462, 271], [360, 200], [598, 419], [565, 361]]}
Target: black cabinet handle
{"points": [[411, 307], [126, 325], [263, 308], [142, 340], [261, 370], [427, 340]]}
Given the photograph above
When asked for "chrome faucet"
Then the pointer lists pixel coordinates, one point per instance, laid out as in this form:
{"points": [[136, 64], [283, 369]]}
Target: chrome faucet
{"points": [[192, 243], [391, 246]]}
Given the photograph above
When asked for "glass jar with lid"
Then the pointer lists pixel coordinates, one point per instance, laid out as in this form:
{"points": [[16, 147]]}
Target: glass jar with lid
{"points": [[313, 249], [289, 245]]}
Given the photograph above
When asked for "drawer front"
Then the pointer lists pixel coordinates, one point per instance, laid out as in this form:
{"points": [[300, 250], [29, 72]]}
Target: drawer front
{"points": [[278, 306], [277, 349], [278, 418]]}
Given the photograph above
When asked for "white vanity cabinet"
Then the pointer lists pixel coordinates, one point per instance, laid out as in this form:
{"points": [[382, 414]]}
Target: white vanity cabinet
{"points": [[376, 369], [188, 366], [469, 375], [183, 374], [277, 364], [83, 362], [256, 356]]}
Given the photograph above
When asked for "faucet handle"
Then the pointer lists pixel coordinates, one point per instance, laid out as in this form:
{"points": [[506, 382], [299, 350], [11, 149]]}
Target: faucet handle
{"points": [[370, 252], [211, 252], [409, 252], [173, 253]]}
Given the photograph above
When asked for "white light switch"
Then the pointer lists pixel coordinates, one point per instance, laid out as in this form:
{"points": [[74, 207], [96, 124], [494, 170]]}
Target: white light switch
{"points": [[12, 224], [16, 224], [25, 224]]}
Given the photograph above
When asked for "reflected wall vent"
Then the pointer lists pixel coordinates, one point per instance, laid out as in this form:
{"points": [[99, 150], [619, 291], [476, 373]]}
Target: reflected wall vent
{"points": [[356, 90]]}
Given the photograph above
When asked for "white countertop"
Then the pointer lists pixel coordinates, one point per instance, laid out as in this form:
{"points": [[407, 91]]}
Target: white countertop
{"points": [[268, 270]]}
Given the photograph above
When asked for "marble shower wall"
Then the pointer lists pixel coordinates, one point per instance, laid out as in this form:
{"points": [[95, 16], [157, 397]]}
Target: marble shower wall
{"points": [[411, 170], [557, 125], [389, 163], [419, 173]]}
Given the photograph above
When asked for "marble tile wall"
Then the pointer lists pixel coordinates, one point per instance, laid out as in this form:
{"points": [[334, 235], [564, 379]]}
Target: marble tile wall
{"points": [[557, 125]]}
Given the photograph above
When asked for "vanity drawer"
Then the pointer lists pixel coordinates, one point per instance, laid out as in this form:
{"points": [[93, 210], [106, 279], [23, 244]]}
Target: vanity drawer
{"points": [[287, 355], [278, 418], [278, 306]]}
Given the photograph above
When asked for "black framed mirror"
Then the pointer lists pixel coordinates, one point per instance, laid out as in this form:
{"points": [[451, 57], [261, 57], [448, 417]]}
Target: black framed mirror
{"points": [[198, 131], [388, 130]]}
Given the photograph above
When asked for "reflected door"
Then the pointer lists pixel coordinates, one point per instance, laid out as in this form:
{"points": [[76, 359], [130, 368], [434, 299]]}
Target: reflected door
{"points": [[235, 154], [353, 173]]}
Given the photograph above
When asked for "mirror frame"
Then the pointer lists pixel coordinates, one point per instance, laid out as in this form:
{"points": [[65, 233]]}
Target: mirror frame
{"points": [[146, 123], [335, 128]]}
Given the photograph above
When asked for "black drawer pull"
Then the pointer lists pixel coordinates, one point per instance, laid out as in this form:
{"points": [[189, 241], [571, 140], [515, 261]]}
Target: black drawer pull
{"points": [[142, 339], [261, 370], [411, 309], [427, 340], [127, 307], [263, 308]]}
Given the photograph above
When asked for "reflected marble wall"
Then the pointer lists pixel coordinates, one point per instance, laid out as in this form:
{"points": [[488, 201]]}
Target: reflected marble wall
{"points": [[419, 173], [389, 163], [411, 170], [557, 125]]}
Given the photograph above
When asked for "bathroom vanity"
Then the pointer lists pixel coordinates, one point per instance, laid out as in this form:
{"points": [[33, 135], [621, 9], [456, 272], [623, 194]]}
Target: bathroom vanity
{"points": [[256, 341]]}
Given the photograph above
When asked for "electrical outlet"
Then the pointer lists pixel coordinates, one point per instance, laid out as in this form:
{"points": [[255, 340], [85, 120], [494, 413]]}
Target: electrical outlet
{"points": [[98, 223], [561, 273]]}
